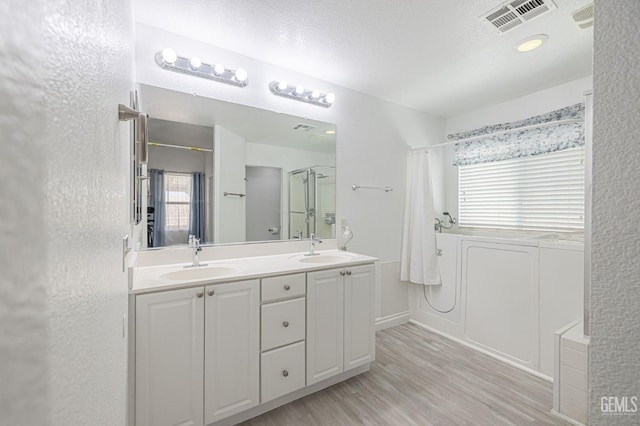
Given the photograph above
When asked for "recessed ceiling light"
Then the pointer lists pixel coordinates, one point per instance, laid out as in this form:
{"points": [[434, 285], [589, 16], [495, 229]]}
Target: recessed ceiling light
{"points": [[531, 43], [330, 132]]}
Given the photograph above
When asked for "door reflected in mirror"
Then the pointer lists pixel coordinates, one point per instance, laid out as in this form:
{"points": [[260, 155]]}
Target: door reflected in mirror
{"points": [[230, 173]]}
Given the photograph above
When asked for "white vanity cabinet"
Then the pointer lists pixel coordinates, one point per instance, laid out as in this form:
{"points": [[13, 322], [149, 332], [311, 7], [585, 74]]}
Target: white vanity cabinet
{"points": [[231, 352], [170, 358], [197, 351], [340, 321], [283, 332], [222, 352]]}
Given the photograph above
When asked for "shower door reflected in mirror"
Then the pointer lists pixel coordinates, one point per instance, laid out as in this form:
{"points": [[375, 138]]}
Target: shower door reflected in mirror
{"points": [[312, 202], [227, 172]]}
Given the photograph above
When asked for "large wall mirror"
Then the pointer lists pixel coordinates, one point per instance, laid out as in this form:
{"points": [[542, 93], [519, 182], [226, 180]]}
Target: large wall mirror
{"points": [[230, 173]]}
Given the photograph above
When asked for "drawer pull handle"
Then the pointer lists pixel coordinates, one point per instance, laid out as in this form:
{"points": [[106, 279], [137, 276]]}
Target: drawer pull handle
{"points": [[287, 287], [200, 294], [348, 272], [342, 273], [210, 292], [285, 324], [285, 373]]}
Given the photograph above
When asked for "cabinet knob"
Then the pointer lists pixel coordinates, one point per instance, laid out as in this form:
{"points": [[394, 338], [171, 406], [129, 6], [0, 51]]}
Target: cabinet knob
{"points": [[285, 373], [210, 292], [200, 294], [287, 287], [342, 273], [285, 324], [348, 272]]}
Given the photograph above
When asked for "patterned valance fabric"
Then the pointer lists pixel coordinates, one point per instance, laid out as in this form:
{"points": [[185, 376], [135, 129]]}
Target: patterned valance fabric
{"points": [[521, 143]]}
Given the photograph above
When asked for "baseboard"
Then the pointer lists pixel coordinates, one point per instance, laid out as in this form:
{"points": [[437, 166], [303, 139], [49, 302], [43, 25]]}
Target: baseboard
{"points": [[484, 351], [392, 320], [566, 418]]}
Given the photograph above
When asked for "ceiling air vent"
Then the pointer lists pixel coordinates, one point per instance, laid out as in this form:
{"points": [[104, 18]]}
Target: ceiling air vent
{"points": [[304, 127], [515, 13], [584, 16]]}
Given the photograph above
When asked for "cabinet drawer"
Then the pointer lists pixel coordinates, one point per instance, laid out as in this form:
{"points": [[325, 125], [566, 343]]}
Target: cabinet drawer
{"points": [[284, 287], [283, 323], [283, 371]]}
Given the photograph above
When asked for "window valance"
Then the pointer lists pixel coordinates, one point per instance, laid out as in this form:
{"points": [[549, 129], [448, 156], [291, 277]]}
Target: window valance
{"points": [[497, 145]]}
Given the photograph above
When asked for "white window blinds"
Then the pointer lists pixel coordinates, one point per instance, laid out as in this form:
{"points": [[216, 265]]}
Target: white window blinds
{"points": [[541, 193]]}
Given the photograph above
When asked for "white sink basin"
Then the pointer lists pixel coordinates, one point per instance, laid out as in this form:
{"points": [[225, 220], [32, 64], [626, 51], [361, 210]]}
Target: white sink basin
{"points": [[198, 273], [326, 258]]}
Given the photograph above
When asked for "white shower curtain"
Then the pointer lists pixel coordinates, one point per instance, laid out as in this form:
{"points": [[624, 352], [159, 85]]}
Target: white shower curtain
{"points": [[419, 261]]}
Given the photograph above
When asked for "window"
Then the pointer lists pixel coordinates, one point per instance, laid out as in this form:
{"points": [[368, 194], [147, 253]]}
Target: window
{"points": [[177, 188], [540, 193]]}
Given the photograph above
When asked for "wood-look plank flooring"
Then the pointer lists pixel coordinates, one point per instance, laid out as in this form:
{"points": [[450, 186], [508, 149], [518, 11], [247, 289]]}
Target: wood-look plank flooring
{"points": [[422, 378]]}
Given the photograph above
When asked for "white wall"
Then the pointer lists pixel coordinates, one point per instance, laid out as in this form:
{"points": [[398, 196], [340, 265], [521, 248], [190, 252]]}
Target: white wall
{"points": [[446, 183], [372, 134], [89, 71], [24, 338], [615, 292], [66, 66]]}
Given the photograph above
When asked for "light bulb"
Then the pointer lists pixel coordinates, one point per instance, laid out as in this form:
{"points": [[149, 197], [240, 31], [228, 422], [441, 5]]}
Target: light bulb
{"points": [[241, 74], [169, 55], [195, 62], [315, 94], [218, 69], [299, 89], [330, 98], [282, 85]]}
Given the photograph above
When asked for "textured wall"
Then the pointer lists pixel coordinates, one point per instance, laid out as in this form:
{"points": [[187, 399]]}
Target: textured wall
{"points": [[23, 322], [64, 168], [89, 67], [615, 290]]}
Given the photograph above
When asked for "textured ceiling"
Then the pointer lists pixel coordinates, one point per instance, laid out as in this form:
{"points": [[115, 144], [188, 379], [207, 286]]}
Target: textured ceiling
{"points": [[436, 56]]}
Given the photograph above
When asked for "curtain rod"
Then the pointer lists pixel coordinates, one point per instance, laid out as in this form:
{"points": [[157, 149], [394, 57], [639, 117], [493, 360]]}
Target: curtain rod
{"points": [[190, 148], [501, 132]]}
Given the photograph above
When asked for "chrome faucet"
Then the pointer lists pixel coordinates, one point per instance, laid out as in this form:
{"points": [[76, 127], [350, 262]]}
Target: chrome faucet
{"points": [[440, 225], [312, 245], [194, 243]]}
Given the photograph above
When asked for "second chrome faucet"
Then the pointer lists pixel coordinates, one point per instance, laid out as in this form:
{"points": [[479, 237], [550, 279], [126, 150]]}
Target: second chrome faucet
{"points": [[312, 245]]}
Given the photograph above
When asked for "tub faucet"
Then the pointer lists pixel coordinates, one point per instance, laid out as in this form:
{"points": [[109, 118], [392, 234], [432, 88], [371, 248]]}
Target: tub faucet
{"points": [[194, 243], [312, 245]]}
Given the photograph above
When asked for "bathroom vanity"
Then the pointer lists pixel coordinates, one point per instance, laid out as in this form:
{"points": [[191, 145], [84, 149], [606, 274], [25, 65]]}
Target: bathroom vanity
{"points": [[222, 343]]}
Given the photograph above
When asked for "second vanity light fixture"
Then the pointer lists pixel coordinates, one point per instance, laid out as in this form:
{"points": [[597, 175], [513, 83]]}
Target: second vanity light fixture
{"points": [[169, 60], [299, 93]]}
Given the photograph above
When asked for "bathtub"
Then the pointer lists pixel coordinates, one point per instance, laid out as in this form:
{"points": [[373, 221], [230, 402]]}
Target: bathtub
{"points": [[504, 295]]}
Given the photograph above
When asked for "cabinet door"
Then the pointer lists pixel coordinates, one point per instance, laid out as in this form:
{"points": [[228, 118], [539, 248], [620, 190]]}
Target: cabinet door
{"points": [[232, 349], [169, 358], [359, 321], [325, 321]]}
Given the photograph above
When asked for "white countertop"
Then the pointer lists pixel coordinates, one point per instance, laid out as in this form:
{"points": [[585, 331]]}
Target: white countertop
{"points": [[152, 278]]}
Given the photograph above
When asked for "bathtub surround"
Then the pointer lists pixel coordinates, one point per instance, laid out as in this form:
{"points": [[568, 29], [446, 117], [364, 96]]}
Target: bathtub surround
{"points": [[511, 308], [419, 263]]}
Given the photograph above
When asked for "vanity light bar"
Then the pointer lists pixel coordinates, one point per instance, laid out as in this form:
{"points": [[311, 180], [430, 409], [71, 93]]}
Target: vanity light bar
{"points": [[299, 93], [169, 60]]}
